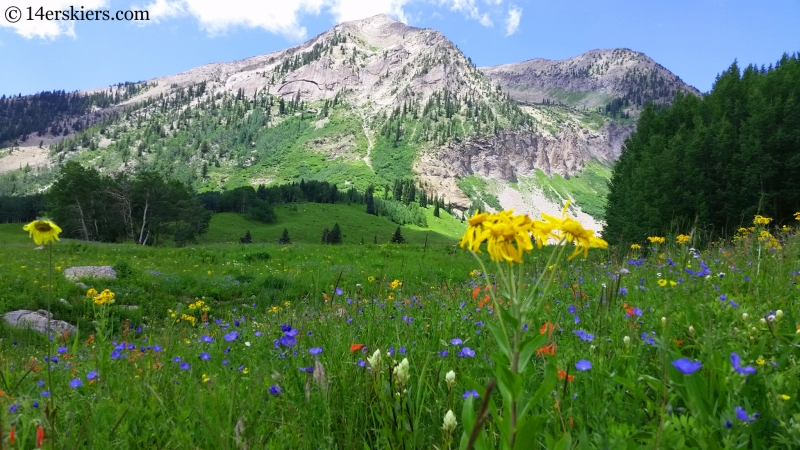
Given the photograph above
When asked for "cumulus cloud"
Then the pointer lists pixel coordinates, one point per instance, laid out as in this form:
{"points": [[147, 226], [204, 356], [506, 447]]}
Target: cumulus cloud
{"points": [[469, 8], [45, 29], [512, 21]]}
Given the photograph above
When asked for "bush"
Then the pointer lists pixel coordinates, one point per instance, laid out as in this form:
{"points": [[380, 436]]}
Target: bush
{"points": [[246, 239], [397, 238]]}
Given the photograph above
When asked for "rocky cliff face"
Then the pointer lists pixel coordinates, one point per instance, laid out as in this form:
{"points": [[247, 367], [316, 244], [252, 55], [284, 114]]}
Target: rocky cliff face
{"points": [[593, 79]]}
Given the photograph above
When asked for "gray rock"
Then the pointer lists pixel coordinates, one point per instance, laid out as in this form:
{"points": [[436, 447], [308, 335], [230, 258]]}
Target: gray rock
{"points": [[73, 273], [37, 320]]}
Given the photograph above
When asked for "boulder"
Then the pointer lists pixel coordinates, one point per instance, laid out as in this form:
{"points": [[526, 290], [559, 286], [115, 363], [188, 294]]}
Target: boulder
{"points": [[37, 320], [74, 273]]}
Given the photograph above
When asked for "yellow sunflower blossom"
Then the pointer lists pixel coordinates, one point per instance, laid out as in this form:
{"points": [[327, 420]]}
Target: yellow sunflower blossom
{"points": [[371, 279], [42, 231], [761, 220], [104, 298], [662, 282], [636, 247], [572, 231], [474, 230], [656, 239], [91, 293], [396, 284], [683, 238], [761, 361], [797, 215]]}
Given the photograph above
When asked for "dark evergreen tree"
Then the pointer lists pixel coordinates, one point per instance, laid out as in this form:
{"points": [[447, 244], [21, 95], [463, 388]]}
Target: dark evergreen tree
{"points": [[246, 239], [397, 238], [335, 236], [436, 210], [285, 239]]}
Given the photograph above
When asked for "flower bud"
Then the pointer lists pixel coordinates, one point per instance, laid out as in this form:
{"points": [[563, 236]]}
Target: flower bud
{"points": [[778, 314], [375, 360], [691, 330], [763, 321], [664, 321], [735, 329], [745, 316], [754, 330], [627, 341], [449, 422], [798, 331], [401, 372], [450, 379]]}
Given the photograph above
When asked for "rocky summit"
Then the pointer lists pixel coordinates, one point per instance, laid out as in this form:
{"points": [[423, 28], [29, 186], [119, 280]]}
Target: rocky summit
{"points": [[364, 103]]}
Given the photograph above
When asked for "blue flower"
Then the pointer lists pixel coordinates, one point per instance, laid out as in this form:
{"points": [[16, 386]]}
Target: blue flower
{"points": [[177, 359], [362, 363], [91, 375], [13, 408], [443, 353], [471, 394], [156, 348], [36, 404], [205, 356], [686, 366], [339, 291], [275, 390], [583, 365], [45, 393], [571, 309], [40, 383], [232, 336], [466, 352], [402, 350], [742, 415], [75, 383], [736, 362], [390, 351], [309, 369], [456, 341], [588, 337], [208, 339], [577, 319], [62, 350], [287, 341], [185, 366], [315, 350]]}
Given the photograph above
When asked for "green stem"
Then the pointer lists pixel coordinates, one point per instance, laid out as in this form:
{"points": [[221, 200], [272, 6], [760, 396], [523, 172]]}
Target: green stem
{"points": [[49, 320]]}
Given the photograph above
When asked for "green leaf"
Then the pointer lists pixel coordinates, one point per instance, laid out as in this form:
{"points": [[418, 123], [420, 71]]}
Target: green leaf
{"points": [[509, 318], [547, 386], [501, 338], [528, 429], [564, 443], [528, 347], [467, 421]]}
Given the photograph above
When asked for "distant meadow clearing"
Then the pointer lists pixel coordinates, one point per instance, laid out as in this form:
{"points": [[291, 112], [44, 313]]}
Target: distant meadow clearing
{"points": [[401, 346]]}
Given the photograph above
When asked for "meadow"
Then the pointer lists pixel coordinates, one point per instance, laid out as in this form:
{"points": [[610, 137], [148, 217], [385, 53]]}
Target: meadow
{"points": [[273, 346]]}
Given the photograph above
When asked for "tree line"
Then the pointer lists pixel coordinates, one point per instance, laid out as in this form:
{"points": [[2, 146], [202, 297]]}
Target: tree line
{"points": [[714, 161]]}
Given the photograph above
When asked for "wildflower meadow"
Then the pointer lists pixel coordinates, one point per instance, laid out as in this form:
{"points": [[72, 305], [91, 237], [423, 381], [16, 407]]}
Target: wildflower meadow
{"points": [[530, 334]]}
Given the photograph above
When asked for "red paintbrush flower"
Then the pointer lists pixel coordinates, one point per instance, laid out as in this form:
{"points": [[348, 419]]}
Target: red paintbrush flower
{"points": [[356, 347], [39, 436]]}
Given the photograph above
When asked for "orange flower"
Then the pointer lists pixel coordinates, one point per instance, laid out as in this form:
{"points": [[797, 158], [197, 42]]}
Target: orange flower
{"points": [[12, 436], [39, 436], [356, 347], [325, 296], [678, 341], [91, 339], [475, 291], [547, 326], [550, 349], [562, 374]]}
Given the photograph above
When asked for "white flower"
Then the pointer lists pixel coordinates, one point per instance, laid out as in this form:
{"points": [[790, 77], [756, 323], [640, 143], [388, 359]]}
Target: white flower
{"points": [[664, 321], [745, 316], [691, 329], [778, 314], [763, 321], [247, 343], [450, 379], [449, 421], [375, 360], [770, 318], [627, 341], [401, 372]]}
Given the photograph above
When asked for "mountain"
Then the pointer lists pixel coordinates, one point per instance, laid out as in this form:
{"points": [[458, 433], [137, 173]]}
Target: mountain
{"points": [[365, 103]]}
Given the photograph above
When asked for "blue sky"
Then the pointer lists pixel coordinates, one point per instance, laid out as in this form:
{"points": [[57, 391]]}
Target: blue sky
{"points": [[694, 39]]}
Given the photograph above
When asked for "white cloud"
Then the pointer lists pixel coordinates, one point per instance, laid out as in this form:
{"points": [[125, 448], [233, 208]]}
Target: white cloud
{"points": [[275, 16], [512, 21], [45, 29]]}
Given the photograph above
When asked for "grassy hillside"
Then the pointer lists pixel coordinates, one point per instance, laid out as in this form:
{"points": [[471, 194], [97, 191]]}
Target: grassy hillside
{"points": [[305, 222]]}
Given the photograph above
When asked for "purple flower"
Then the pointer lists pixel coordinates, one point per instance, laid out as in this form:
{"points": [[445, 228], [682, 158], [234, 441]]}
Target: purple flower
{"points": [[185, 366], [736, 362], [91, 375], [571, 309], [471, 394], [225, 362], [443, 353], [686, 366], [339, 291], [315, 350], [456, 341], [286, 341], [742, 415], [583, 365], [36, 404], [275, 390], [208, 339], [45, 393], [75, 383], [362, 363], [390, 351], [62, 350], [13, 408], [286, 328], [205, 356], [258, 333], [177, 359], [156, 348], [40, 383], [466, 352], [232, 336], [309, 369], [402, 350], [588, 337], [577, 319]]}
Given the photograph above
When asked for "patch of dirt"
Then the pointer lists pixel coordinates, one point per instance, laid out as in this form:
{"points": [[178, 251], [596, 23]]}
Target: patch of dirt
{"points": [[22, 156]]}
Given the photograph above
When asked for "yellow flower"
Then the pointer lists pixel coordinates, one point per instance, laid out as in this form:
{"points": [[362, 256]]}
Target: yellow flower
{"points": [[672, 283], [662, 282], [797, 216], [760, 361], [287, 304], [474, 230], [391, 296], [206, 378], [785, 397], [656, 239], [683, 238], [246, 371], [371, 279], [396, 283], [42, 231], [572, 231], [104, 298], [761, 220], [636, 247], [91, 293]]}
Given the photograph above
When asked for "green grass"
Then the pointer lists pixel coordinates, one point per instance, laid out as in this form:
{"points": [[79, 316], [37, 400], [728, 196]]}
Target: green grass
{"points": [[306, 221], [588, 188]]}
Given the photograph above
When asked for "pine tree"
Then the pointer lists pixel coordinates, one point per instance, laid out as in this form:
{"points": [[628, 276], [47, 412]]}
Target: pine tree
{"points": [[370, 201], [325, 234], [335, 236], [436, 210], [397, 238], [285, 239], [246, 239]]}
